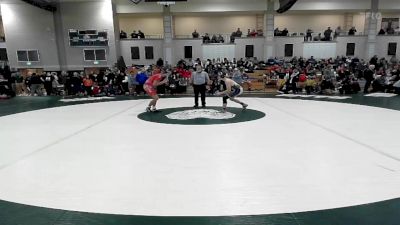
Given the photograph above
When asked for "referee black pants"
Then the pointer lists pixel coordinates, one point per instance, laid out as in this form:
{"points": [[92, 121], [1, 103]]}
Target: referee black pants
{"points": [[199, 89]]}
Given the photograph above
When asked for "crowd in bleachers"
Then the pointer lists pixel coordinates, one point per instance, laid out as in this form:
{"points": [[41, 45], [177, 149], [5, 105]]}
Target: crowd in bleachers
{"points": [[342, 75]]}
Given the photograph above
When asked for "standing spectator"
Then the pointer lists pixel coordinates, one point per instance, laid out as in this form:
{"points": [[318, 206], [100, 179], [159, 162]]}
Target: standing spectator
{"points": [[328, 34], [195, 34], [122, 35], [369, 77], [352, 31], [19, 83], [48, 83], [141, 35], [199, 80]]}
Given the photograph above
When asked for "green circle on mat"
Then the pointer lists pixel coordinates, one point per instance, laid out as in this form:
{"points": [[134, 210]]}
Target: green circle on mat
{"points": [[207, 116]]}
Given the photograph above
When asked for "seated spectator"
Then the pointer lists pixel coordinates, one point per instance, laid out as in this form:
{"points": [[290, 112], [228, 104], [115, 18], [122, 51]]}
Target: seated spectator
{"points": [[206, 38], [195, 34], [277, 32], [36, 83], [123, 35], [318, 38], [141, 34], [337, 33], [328, 34], [390, 30], [248, 33], [220, 39], [397, 30], [253, 33], [352, 31], [260, 33], [88, 85], [233, 37], [214, 39], [238, 33], [134, 35], [381, 32], [285, 32]]}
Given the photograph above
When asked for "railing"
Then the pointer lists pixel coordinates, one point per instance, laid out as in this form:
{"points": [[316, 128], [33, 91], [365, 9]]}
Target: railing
{"points": [[147, 36]]}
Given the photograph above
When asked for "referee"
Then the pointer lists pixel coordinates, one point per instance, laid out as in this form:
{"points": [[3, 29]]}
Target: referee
{"points": [[199, 80]]}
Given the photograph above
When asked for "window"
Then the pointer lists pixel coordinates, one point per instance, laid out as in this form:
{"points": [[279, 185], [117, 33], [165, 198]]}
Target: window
{"points": [[188, 52], [288, 50], [3, 54], [249, 51], [94, 54], [149, 52], [135, 53], [28, 56], [392, 48], [350, 49]]}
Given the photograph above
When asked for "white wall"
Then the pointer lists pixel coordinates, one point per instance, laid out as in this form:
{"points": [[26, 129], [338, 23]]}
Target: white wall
{"points": [[241, 47], [214, 23], [141, 43], [148, 24], [360, 43], [179, 48], [382, 45], [297, 42], [96, 15], [124, 6], [29, 27]]}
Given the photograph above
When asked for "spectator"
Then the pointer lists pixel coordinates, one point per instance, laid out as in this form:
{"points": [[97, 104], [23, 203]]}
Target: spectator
{"points": [[88, 85], [134, 35], [308, 35], [277, 32], [36, 83], [238, 33], [318, 38], [328, 34], [48, 83], [369, 77], [285, 32], [220, 39], [195, 34], [206, 38], [123, 35], [337, 33], [260, 33], [381, 32], [214, 39], [353, 31], [141, 34], [233, 37]]}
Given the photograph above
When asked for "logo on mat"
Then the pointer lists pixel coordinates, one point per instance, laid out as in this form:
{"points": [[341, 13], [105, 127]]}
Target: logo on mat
{"points": [[136, 1], [208, 116]]}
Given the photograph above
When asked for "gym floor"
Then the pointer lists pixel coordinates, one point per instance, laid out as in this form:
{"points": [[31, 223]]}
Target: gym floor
{"points": [[287, 160]]}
